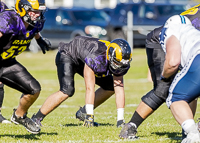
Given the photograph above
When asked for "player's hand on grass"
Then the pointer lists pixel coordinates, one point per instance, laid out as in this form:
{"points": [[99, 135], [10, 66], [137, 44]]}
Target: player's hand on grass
{"points": [[89, 121]]}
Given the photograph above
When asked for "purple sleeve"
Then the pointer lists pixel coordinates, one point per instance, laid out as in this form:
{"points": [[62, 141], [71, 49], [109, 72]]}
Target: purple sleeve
{"points": [[98, 64], [3, 6], [10, 23], [5, 27]]}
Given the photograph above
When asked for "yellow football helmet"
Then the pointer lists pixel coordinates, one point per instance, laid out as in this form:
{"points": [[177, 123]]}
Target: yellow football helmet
{"points": [[119, 55], [23, 6]]}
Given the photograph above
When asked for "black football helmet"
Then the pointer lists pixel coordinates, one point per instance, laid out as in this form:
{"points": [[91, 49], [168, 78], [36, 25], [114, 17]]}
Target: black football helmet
{"points": [[23, 6], [119, 55]]}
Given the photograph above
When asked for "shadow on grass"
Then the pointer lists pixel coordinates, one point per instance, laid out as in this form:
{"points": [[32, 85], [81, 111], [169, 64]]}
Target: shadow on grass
{"points": [[81, 123], [171, 135], [27, 136]]}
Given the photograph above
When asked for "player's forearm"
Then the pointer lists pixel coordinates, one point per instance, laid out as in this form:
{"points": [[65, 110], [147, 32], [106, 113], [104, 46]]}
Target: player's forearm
{"points": [[169, 70], [90, 96], [119, 92], [120, 98]]}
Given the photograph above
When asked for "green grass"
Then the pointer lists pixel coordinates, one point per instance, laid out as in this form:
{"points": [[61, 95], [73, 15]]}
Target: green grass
{"points": [[60, 126]]}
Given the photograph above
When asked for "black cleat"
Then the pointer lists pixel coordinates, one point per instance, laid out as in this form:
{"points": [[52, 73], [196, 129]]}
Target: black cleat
{"points": [[28, 123], [128, 132], [3, 120], [82, 116], [36, 120], [120, 123]]}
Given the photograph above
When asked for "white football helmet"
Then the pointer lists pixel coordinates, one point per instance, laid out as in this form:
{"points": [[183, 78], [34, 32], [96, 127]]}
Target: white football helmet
{"points": [[177, 19]]}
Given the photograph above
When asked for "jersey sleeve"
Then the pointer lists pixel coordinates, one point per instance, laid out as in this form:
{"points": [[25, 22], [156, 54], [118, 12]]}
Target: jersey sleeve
{"points": [[3, 6], [8, 25], [97, 63]]}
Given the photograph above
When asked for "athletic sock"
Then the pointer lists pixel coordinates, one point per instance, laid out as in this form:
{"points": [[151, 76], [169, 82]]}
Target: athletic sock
{"points": [[189, 125], [89, 109], [39, 115], [120, 114], [136, 119]]}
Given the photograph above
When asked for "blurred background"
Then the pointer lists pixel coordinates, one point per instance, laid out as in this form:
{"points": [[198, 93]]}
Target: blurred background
{"points": [[106, 19]]}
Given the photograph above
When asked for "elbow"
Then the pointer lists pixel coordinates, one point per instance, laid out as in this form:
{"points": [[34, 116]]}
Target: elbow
{"points": [[174, 64]]}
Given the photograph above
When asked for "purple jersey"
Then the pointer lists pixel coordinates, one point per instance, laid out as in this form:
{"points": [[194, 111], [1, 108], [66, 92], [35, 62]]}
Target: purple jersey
{"points": [[90, 51], [16, 38], [3, 6]]}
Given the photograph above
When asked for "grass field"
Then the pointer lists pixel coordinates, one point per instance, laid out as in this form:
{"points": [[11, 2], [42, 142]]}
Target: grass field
{"points": [[60, 126]]}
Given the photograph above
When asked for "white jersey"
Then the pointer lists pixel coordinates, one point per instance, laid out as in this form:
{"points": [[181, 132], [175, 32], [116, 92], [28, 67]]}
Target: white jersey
{"points": [[186, 34]]}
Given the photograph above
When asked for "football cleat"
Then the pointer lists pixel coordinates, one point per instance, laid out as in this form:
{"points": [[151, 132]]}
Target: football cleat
{"points": [[28, 123], [36, 120], [192, 138], [128, 131], [183, 134], [120, 123], [3, 120], [82, 116]]}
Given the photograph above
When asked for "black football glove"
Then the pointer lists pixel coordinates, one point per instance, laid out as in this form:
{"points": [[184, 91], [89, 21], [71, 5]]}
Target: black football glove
{"points": [[44, 44], [89, 121]]}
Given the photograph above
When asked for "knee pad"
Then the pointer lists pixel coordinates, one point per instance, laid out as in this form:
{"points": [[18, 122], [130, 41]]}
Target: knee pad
{"points": [[35, 87], [152, 100], [70, 91]]}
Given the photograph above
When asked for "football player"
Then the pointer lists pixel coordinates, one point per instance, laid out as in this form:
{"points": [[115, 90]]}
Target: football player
{"points": [[156, 97], [2, 119], [98, 62], [17, 28], [180, 42]]}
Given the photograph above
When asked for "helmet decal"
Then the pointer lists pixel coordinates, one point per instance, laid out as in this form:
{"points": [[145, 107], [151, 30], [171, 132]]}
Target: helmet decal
{"points": [[117, 51], [21, 11]]}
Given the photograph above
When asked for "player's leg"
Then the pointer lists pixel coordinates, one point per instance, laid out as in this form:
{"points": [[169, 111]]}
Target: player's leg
{"points": [[150, 102], [2, 119], [17, 77], [66, 72], [103, 93], [184, 89]]}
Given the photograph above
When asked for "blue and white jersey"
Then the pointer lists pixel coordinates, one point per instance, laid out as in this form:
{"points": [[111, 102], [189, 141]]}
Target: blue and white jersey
{"points": [[185, 33]]}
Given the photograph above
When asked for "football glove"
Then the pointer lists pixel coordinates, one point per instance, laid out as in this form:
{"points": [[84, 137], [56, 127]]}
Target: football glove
{"points": [[89, 121], [44, 44]]}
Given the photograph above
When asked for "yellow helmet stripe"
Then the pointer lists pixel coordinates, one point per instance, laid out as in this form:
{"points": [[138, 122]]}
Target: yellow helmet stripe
{"points": [[105, 42], [35, 4], [118, 51], [18, 11]]}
